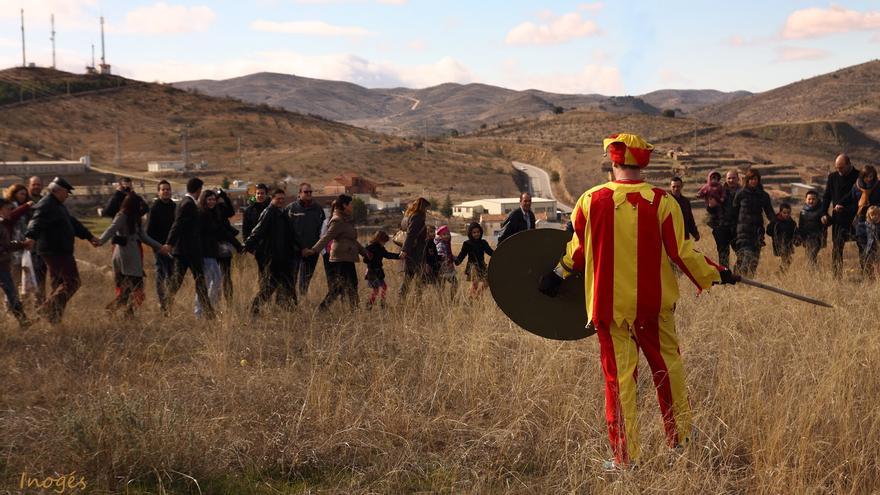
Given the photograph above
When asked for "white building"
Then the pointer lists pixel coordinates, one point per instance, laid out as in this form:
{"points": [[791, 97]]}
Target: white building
{"points": [[60, 167], [376, 204], [172, 166], [502, 206]]}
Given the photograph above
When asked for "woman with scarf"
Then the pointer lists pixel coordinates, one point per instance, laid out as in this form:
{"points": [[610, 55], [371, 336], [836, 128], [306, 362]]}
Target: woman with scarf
{"points": [[865, 193], [750, 206]]}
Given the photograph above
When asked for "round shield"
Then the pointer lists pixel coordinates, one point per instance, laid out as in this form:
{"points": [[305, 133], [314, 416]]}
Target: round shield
{"points": [[514, 272]]}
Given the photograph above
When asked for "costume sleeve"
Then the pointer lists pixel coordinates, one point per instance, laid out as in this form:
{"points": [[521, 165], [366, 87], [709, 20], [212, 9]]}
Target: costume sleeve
{"points": [[680, 249], [574, 260]]}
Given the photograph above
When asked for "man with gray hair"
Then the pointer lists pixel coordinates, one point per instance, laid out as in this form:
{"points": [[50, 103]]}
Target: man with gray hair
{"points": [[54, 229]]}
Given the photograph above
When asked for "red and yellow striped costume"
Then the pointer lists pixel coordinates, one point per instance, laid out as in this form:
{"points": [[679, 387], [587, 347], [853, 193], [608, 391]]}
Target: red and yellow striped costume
{"points": [[626, 232]]}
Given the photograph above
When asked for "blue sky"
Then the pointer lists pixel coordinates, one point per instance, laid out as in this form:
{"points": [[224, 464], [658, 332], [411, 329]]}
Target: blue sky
{"points": [[563, 46]]}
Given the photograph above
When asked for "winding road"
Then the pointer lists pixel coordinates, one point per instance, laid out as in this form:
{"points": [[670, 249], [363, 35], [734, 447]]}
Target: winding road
{"points": [[539, 184]]}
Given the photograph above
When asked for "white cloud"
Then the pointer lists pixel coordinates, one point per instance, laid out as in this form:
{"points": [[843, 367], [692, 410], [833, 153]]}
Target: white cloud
{"points": [[592, 78], [337, 67], [162, 18], [815, 22], [591, 6], [310, 28], [794, 53], [875, 38], [558, 30], [394, 2], [69, 14]]}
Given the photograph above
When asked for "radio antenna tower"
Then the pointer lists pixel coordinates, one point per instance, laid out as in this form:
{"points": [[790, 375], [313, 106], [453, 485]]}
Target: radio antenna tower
{"points": [[52, 19], [93, 55], [23, 59]]}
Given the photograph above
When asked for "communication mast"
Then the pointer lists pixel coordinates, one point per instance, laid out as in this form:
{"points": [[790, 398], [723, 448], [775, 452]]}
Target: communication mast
{"points": [[23, 59], [52, 19], [104, 67]]}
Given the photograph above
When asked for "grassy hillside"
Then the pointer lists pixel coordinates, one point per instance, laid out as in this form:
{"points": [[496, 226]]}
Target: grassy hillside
{"points": [[151, 120]]}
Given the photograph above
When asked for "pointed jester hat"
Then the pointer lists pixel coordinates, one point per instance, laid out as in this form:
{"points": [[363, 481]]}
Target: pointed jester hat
{"points": [[628, 149]]}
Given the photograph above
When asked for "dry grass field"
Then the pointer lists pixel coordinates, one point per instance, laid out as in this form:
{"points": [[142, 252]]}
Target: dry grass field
{"points": [[432, 395]]}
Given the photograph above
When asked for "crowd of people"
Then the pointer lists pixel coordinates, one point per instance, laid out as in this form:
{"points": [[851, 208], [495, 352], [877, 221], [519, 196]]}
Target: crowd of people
{"points": [[286, 239], [194, 235]]}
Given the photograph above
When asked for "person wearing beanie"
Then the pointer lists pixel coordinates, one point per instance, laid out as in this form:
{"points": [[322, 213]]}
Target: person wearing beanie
{"points": [[626, 232], [443, 242]]}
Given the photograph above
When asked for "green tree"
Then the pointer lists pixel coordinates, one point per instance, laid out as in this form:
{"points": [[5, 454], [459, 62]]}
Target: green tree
{"points": [[359, 210], [225, 183], [558, 110], [554, 176], [446, 209], [669, 113], [434, 204]]}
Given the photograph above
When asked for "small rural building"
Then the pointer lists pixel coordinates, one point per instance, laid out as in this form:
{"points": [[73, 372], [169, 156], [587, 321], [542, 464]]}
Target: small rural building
{"points": [[55, 167], [169, 166], [349, 183], [502, 206], [376, 204]]}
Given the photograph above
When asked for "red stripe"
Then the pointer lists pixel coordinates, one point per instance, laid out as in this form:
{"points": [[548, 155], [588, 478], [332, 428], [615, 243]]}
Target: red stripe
{"points": [[613, 410], [649, 257], [648, 332], [580, 227], [602, 238], [671, 245]]}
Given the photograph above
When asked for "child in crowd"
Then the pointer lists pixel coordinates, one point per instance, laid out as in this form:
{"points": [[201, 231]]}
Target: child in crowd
{"points": [[443, 243], [432, 257], [375, 273], [810, 231], [475, 248], [7, 247], [872, 246], [712, 191], [783, 230]]}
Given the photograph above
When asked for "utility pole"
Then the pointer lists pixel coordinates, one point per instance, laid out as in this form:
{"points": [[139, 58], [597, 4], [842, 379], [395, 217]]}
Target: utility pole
{"points": [[118, 159], [52, 20], [103, 60], [240, 167], [23, 58], [93, 55]]}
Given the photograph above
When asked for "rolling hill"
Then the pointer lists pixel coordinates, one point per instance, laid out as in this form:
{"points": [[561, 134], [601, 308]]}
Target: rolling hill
{"points": [[688, 100], [437, 110], [151, 121], [850, 94]]}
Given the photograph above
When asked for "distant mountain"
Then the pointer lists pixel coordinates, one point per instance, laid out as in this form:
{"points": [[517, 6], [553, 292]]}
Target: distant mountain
{"points": [[851, 94], [436, 110], [687, 100]]}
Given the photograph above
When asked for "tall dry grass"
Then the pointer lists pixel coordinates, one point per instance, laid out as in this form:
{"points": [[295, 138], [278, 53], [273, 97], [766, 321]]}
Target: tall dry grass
{"points": [[437, 396]]}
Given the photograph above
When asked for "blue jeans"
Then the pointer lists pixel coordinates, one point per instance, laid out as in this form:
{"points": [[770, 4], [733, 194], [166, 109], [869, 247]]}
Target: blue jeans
{"points": [[12, 301], [164, 269], [214, 280]]}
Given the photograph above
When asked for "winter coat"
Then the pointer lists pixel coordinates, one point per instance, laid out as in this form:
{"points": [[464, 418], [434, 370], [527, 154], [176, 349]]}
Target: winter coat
{"points": [[307, 220], [251, 216], [838, 188], [516, 222], [7, 246], [872, 241], [432, 261], [128, 259], [185, 234], [722, 216], [274, 238], [783, 233], [855, 202], [343, 233], [714, 190], [213, 232], [374, 264], [475, 249], [160, 220], [690, 225], [810, 228], [54, 229], [748, 207]]}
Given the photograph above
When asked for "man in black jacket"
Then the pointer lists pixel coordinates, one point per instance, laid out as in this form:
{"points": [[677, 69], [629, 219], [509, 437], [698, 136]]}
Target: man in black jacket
{"points": [[123, 187], [308, 216], [54, 230], [158, 226], [185, 240], [519, 219], [837, 190], [690, 225], [274, 239], [252, 216]]}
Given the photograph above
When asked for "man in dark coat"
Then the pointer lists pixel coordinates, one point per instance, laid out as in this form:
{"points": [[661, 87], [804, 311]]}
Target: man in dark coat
{"points": [[690, 225], [837, 190], [519, 219], [308, 216], [185, 240], [158, 226], [253, 211], [54, 230], [274, 239], [123, 187]]}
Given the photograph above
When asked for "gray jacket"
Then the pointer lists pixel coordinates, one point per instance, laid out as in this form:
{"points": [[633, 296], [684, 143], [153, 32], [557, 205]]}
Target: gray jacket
{"points": [[307, 221], [128, 259]]}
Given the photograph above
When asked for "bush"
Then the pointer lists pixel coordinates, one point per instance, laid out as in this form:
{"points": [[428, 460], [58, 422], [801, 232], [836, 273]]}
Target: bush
{"points": [[669, 113], [359, 210], [554, 176], [558, 110], [446, 209]]}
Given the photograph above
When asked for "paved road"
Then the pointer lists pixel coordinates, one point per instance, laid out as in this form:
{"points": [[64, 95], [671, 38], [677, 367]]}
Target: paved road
{"points": [[539, 184]]}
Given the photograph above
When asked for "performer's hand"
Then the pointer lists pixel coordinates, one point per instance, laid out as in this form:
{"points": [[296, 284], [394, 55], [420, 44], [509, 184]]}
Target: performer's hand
{"points": [[824, 219], [95, 242], [729, 278], [549, 284], [27, 244]]}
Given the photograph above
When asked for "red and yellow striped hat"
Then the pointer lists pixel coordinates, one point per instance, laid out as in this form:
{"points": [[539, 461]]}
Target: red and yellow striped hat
{"points": [[628, 149]]}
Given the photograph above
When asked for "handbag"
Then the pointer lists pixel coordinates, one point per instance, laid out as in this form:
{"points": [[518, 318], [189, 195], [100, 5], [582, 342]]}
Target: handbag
{"points": [[399, 238]]}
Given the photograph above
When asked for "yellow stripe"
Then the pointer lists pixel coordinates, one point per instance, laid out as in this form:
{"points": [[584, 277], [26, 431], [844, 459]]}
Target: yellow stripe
{"points": [[672, 359]]}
